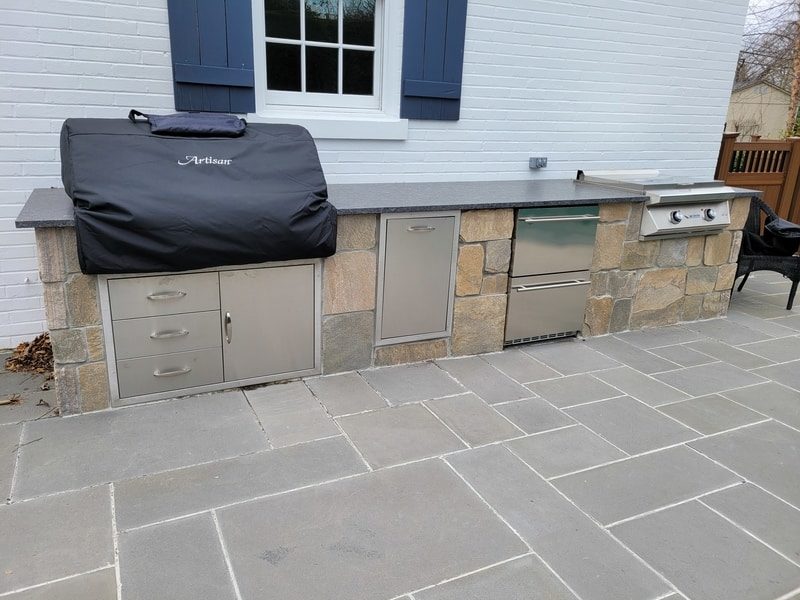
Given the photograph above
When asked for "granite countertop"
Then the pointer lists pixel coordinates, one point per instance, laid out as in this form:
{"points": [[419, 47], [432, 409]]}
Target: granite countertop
{"points": [[51, 207]]}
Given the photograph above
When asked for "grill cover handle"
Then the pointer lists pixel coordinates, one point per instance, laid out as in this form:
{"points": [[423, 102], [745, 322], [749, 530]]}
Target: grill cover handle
{"points": [[193, 124]]}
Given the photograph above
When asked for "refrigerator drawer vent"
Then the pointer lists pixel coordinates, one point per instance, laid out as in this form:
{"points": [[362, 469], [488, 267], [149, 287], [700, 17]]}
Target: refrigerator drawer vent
{"points": [[541, 338]]}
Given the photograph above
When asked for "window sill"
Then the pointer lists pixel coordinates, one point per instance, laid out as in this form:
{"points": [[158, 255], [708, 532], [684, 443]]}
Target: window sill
{"points": [[341, 126]]}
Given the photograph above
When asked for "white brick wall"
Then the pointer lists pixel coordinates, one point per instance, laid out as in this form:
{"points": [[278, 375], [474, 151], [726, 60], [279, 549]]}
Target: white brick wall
{"points": [[589, 84]]}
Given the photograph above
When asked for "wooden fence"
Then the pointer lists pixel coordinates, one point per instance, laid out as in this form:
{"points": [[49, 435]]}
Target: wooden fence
{"points": [[772, 166]]}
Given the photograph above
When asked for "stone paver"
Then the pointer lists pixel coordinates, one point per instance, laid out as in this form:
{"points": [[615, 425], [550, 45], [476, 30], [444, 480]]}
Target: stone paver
{"points": [[483, 379], [391, 436], [179, 560], [777, 350], [63, 454], [519, 366], [290, 414], [28, 388], [473, 420], [707, 557], [710, 414], [787, 373], [631, 487], [764, 516], [594, 565], [524, 578], [97, 585], [663, 336], [345, 394], [280, 483], [569, 357], [572, 390], [729, 354], [630, 425], [534, 415], [55, 536], [411, 383], [708, 379], [640, 386], [630, 355], [184, 491], [9, 440], [770, 399], [564, 450], [371, 537], [767, 454], [682, 356]]}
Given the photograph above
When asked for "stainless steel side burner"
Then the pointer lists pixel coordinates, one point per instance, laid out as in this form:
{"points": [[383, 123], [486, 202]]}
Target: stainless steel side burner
{"points": [[675, 207]]}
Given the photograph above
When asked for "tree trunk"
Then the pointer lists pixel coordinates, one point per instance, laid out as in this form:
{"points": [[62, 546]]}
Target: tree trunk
{"points": [[791, 121]]}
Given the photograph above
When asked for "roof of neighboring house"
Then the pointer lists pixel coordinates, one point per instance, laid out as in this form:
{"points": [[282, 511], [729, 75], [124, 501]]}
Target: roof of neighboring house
{"points": [[743, 85]]}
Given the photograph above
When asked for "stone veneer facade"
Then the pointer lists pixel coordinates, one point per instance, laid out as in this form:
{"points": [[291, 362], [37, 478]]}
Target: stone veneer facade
{"points": [[638, 284], [349, 294], [72, 310], [635, 284]]}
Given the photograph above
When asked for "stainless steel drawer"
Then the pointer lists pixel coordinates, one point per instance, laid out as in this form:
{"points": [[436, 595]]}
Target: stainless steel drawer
{"points": [[149, 336], [546, 305], [163, 295], [152, 374], [554, 240]]}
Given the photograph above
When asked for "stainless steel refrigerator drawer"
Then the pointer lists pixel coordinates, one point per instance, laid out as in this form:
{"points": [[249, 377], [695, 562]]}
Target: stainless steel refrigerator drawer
{"points": [[167, 372], [554, 240], [149, 336], [151, 296], [546, 305]]}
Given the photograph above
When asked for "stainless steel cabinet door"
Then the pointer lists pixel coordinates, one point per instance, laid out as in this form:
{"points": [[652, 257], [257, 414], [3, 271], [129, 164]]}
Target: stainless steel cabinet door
{"points": [[417, 267], [267, 321]]}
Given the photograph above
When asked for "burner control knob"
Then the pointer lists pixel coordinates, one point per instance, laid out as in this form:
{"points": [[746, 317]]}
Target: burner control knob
{"points": [[675, 217], [709, 214]]}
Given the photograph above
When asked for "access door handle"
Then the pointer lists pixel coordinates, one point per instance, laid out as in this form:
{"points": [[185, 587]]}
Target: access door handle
{"points": [[228, 327], [550, 286], [166, 295], [559, 219], [172, 372], [421, 228], [165, 335]]}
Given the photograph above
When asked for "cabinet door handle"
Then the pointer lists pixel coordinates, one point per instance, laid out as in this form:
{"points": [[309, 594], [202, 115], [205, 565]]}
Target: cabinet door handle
{"points": [[421, 228], [165, 335], [166, 295], [172, 373], [228, 327], [559, 219]]}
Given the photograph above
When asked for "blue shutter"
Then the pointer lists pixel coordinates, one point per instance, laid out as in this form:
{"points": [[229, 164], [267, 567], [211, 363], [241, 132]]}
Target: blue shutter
{"points": [[212, 55], [433, 59]]}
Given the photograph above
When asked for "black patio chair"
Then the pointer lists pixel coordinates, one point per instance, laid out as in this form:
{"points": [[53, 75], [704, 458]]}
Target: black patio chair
{"points": [[763, 251]]}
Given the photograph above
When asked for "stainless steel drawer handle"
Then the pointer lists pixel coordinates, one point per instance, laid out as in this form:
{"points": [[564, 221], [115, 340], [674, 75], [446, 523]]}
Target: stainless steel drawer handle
{"points": [[559, 219], [421, 228], [172, 373], [166, 335], [228, 327], [550, 286], [166, 295]]}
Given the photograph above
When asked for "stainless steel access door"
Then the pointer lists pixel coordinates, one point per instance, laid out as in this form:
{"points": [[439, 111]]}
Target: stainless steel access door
{"points": [[267, 321], [417, 277], [554, 240], [546, 305]]}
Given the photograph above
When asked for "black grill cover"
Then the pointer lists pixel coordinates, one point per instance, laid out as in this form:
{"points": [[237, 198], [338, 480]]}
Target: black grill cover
{"points": [[151, 203]]}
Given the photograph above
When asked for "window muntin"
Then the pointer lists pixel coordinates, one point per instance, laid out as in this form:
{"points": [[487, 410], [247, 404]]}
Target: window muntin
{"points": [[323, 52]]}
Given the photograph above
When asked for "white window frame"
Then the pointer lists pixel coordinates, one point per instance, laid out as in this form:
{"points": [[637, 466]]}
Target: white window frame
{"points": [[334, 116]]}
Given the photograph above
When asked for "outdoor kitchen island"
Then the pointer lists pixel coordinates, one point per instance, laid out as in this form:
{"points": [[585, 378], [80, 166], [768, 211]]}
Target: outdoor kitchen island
{"points": [[365, 299]]}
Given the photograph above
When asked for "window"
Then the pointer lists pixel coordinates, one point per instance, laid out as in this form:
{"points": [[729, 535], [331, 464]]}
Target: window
{"points": [[323, 53]]}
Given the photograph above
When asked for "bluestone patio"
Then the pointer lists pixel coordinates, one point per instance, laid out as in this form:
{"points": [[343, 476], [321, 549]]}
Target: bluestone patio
{"points": [[648, 465]]}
